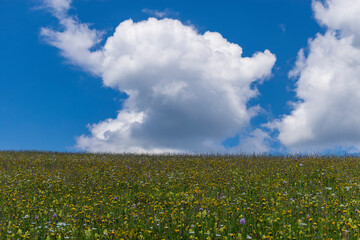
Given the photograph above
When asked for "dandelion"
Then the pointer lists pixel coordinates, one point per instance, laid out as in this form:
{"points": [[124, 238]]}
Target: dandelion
{"points": [[242, 221]]}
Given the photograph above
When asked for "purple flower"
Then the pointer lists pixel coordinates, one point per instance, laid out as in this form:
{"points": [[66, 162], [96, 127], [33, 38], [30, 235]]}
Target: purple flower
{"points": [[115, 198], [201, 209], [36, 218], [55, 215], [242, 221], [356, 210], [291, 199], [284, 182]]}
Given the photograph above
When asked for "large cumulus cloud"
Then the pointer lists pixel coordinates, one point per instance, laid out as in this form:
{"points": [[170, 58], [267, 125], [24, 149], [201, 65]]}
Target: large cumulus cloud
{"points": [[327, 113], [186, 91]]}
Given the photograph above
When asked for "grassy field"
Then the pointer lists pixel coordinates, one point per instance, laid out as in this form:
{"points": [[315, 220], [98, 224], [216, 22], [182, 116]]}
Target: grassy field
{"points": [[98, 196]]}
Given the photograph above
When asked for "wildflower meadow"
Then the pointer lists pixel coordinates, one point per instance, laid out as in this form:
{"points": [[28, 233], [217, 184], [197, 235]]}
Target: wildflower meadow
{"points": [[123, 196]]}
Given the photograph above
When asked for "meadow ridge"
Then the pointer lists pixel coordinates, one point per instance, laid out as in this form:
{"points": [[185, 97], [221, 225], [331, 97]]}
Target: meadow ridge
{"points": [[46, 195]]}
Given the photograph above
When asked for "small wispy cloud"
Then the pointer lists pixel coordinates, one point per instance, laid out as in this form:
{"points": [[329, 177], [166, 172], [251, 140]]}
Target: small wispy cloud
{"points": [[282, 27], [160, 14]]}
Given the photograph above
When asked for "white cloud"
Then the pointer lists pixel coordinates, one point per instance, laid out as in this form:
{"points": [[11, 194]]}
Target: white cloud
{"points": [[258, 142], [158, 13], [57, 7], [187, 91], [327, 115], [75, 42], [343, 15]]}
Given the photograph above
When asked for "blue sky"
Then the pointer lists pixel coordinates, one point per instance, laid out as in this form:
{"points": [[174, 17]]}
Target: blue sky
{"points": [[66, 85]]}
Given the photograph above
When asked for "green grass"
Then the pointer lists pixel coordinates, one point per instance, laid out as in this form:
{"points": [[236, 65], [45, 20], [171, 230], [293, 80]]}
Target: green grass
{"points": [[103, 196]]}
